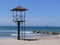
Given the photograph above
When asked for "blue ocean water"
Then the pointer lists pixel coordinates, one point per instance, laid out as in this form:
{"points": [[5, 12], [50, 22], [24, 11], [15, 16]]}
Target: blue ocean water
{"points": [[11, 31]]}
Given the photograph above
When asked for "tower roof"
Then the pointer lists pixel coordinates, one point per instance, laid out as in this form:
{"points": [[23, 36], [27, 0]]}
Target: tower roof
{"points": [[19, 8]]}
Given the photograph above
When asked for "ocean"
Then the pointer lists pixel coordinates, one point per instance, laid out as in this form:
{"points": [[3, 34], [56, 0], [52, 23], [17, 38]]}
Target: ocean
{"points": [[11, 31]]}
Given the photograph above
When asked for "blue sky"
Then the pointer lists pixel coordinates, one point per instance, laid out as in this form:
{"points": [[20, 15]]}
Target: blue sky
{"points": [[40, 13]]}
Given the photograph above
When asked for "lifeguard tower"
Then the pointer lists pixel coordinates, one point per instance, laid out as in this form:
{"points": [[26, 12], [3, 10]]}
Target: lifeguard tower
{"points": [[18, 14]]}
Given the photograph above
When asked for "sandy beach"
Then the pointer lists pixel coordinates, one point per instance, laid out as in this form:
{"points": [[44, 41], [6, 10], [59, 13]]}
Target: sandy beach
{"points": [[40, 41]]}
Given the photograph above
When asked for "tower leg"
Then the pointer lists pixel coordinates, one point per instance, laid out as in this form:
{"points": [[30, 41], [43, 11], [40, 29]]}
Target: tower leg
{"points": [[24, 30], [18, 30]]}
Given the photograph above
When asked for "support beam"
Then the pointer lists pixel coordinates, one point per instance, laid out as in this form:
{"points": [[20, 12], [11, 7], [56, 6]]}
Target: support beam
{"points": [[18, 30]]}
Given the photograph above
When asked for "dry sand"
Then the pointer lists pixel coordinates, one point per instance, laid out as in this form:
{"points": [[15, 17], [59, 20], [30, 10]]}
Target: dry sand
{"points": [[45, 41]]}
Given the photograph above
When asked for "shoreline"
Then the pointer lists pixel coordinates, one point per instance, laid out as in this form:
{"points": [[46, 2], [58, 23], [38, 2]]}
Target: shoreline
{"points": [[40, 41]]}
